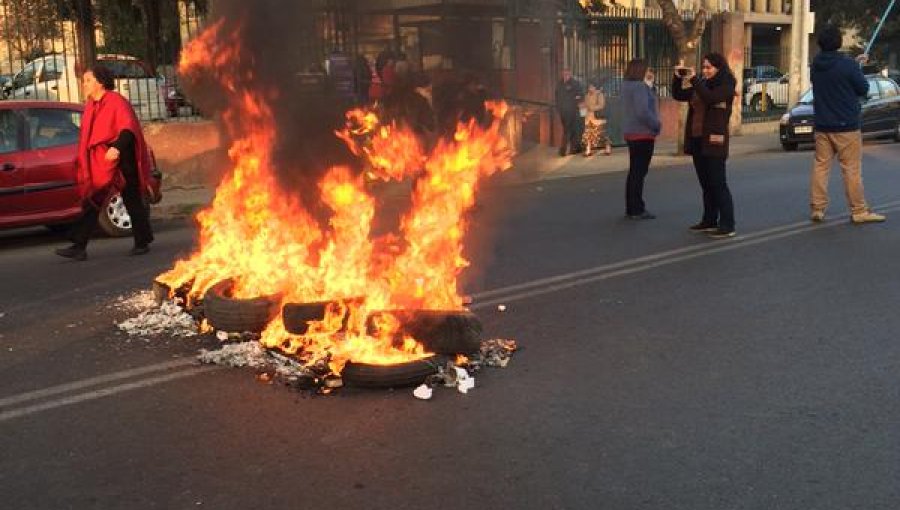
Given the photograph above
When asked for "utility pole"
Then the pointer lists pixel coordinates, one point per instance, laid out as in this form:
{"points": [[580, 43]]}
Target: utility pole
{"points": [[798, 41]]}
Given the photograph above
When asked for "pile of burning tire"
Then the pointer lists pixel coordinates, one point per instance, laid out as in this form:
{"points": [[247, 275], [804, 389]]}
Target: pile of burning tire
{"points": [[445, 333]]}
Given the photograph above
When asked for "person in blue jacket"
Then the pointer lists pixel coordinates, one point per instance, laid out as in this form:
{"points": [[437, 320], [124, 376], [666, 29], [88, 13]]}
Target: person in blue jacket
{"points": [[838, 85], [640, 126]]}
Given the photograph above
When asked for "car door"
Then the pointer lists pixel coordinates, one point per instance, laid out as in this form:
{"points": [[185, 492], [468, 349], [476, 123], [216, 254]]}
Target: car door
{"points": [[51, 83], [872, 113], [12, 174], [51, 147], [137, 83], [890, 96], [23, 83]]}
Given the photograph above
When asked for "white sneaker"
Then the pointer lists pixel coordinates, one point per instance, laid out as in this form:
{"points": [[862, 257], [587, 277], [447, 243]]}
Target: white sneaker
{"points": [[867, 217], [817, 216]]}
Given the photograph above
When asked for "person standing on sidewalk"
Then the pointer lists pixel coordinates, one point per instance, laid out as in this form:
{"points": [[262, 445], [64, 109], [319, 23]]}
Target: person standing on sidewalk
{"points": [[112, 158], [838, 83], [595, 122], [569, 95], [640, 125], [710, 98]]}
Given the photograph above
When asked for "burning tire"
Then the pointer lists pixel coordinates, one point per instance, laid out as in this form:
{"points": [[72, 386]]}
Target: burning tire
{"points": [[226, 313], [411, 373], [297, 316], [441, 331]]}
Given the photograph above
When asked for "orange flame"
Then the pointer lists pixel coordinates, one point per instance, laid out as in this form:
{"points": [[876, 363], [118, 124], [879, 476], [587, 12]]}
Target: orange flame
{"points": [[268, 244]]}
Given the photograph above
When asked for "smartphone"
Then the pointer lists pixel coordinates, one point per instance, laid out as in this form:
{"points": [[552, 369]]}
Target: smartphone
{"points": [[681, 71]]}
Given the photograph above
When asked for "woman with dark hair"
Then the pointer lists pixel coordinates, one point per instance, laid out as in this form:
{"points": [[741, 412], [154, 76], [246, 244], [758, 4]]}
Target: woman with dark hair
{"points": [[640, 125], [710, 98], [112, 158]]}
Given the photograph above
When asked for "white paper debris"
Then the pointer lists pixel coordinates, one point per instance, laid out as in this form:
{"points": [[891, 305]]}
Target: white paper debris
{"points": [[2, 315], [466, 384], [502, 308], [423, 392], [246, 354], [464, 381], [253, 354], [222, 335], [169, 318], [136, 302]]}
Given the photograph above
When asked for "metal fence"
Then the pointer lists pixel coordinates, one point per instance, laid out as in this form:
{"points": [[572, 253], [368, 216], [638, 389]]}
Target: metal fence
{"points": [[42, 55], [601, 51], [765, 84]]}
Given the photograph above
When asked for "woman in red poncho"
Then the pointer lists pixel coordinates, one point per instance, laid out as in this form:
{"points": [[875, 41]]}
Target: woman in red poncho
{"points": [[112, 158]]}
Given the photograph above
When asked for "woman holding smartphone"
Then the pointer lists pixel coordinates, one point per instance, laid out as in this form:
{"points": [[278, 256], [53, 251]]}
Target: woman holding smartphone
{"points": [[710, 97]]}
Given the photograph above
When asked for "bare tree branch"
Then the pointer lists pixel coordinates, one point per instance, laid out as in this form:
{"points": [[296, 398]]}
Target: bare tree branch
{"points": [[697, 29]]}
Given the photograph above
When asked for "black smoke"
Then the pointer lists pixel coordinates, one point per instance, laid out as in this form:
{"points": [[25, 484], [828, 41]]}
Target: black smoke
{"points": [[281, 49]]}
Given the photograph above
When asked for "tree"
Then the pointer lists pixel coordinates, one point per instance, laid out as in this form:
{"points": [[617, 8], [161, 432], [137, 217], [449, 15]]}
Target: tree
{"points": [[149, 29], [863, 16], [686, 40], [30, 26]]}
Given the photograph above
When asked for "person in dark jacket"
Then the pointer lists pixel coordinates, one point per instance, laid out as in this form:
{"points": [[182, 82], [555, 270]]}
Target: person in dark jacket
{"points": [[640, 125], [569, 94], [838, 84], [710, 98]]}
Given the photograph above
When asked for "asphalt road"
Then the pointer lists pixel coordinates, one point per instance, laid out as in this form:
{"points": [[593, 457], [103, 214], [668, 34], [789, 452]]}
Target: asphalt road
{"points": [[658, 369]]}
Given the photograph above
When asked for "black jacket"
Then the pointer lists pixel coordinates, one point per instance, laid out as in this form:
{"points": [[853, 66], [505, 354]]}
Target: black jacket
{"points": [[717, 96], [568, 95]]}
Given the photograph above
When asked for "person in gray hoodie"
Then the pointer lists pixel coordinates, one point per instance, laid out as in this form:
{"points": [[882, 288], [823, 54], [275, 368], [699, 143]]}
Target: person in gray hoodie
{"points": [[641, 126]]}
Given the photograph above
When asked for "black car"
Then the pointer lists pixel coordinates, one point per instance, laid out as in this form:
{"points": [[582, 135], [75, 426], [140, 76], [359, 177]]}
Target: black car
{"points": [[880, 115]]}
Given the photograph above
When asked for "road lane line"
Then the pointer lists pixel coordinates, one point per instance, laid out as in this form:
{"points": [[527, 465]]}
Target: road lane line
{"points": [[94, 381], [586, 277], [743, 239], [528, 289], [105, 392]]}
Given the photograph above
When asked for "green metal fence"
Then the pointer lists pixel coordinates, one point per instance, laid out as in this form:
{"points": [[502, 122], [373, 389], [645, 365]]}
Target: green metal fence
{"points": [[764, 96]]}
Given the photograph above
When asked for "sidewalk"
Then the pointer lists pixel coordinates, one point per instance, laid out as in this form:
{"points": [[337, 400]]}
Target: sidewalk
{"points": [[544, 163], [536, 164]]}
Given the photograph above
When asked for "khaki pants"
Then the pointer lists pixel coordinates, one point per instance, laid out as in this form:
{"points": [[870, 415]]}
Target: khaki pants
{"points": [[848, 149]]}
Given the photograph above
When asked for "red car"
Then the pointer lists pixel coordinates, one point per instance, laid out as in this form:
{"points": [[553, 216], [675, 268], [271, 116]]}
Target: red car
{"points": [[38, 147]]}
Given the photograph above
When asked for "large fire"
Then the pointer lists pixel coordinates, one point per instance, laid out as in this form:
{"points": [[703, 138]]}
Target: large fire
{"points": [[267, 243]]}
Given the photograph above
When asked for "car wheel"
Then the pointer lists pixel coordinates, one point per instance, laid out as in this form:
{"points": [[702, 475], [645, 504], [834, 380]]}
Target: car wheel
{"points": [[790, 147], [756, 103], [114, 218]]}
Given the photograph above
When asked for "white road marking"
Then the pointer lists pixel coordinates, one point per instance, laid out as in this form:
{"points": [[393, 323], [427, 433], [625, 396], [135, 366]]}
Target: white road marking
{"points": [[94, 381], [105, 392], [507, 294]]}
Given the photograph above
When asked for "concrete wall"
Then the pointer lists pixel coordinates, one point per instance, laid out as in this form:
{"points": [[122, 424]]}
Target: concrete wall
{"points": [[188, 153]]}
